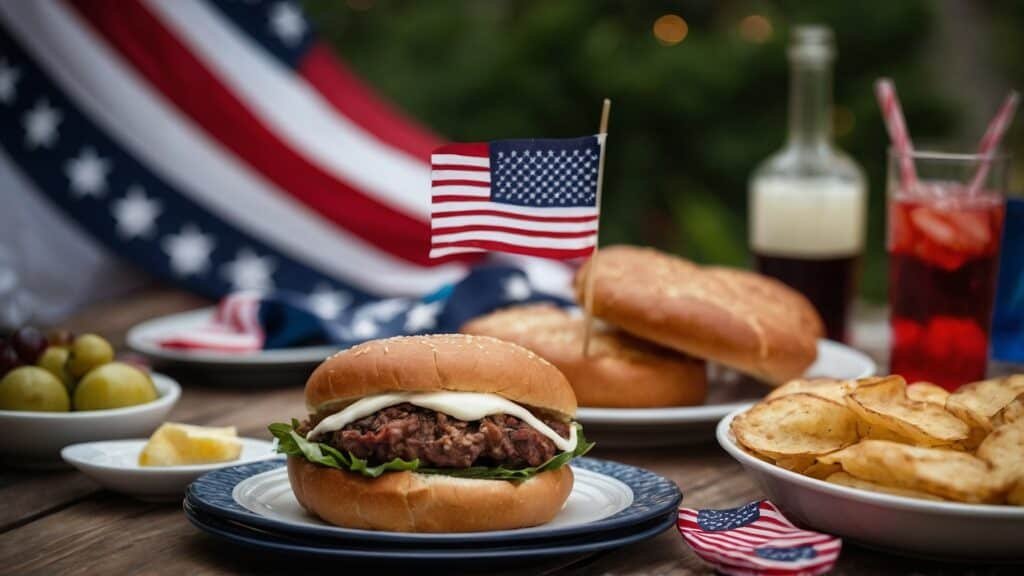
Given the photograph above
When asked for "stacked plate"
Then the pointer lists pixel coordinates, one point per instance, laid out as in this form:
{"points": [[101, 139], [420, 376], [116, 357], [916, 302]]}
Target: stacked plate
{"points": [[611, 505]]}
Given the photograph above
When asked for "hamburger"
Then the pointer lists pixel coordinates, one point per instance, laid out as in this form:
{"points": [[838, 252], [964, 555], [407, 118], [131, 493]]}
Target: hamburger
{"points": [[442, 433], [620, 371]]}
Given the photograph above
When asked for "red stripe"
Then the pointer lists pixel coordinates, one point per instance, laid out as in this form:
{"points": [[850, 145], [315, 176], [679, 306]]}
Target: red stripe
{"points": [[457, 198], [552, 253], [172, 69], [476, 183], [466, 167], [482, 149], [520, 231], [359, 103], [517, 216]]}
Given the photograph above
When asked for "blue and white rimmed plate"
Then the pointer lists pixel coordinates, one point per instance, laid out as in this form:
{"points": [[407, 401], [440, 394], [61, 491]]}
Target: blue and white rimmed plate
{"points": [[605, 496], [727, 391], [910, 526], [497, 553]]}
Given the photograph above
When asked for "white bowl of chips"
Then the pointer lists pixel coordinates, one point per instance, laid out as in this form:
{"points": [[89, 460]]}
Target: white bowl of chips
{"points": [[907, 506]]}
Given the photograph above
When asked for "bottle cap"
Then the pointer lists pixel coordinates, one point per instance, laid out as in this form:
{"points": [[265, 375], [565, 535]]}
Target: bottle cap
{"points": [[812, 44]]}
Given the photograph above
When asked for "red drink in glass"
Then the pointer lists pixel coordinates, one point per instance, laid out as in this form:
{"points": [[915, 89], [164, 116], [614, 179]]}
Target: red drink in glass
{"points": [[943, 252]]}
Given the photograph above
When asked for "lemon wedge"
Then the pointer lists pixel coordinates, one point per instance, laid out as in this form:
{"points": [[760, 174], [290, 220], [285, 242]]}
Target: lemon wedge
{"points": [[175, 444]]}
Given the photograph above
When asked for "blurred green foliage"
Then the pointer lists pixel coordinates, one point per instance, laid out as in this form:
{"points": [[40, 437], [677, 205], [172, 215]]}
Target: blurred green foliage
{"points": [[689, 121]]}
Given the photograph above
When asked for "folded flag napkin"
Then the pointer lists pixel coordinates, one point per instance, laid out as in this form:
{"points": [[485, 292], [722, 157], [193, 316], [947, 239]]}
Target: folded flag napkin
{"points": [[756, 539], [247, 321]]}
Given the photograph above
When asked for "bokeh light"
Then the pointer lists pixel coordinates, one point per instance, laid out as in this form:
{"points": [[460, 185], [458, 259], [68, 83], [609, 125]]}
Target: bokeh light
{"points": [[756, 29], [670, 29]]}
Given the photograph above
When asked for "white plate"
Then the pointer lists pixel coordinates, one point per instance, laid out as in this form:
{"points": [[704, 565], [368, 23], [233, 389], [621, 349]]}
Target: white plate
{"points": [[144, 338], [34, 439], [944, 530], [114, 464], [726, 392], [594, 497]]}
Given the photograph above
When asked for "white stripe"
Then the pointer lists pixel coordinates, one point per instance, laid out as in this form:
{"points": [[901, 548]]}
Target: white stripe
{"points": [[205, 338], [458, 159], [294, 110], [136, 116], [439, 252], [460, 190], [471, 175], [454, 221], [444, 207], [520, 240]]}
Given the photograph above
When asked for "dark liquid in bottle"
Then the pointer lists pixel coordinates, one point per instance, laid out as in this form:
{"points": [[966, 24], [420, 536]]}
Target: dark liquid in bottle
{"points": [[829, 283]]}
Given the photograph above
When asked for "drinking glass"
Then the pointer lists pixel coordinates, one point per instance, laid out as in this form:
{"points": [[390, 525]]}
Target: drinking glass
{"points": [[943, 242]]}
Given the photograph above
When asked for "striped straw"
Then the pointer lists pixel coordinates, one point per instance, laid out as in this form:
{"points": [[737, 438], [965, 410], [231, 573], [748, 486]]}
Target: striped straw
{"points": [[892, 115], [993, 136]]}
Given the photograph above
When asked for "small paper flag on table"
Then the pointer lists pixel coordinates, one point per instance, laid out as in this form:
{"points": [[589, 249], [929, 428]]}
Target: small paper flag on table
{"points": [[756, 539]]}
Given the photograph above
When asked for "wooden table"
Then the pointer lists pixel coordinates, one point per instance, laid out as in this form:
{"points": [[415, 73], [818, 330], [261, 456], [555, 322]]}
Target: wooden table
{"points": [[62, 523]]}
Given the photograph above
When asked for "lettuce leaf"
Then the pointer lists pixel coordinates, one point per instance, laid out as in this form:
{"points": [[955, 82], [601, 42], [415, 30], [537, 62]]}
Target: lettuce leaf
{"points": [[293, 444]]}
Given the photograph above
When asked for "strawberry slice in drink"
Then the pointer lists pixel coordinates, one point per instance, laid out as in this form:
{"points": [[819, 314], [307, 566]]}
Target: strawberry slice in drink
{"points": [[949, 235]]}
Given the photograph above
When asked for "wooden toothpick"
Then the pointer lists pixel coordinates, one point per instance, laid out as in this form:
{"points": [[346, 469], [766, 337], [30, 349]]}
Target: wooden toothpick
{"points": [[588, 293]]}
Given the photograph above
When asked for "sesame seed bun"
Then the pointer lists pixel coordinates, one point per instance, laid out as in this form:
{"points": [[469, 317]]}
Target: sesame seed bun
{"points": [[746, 321], [453, 362], [621, 371]]}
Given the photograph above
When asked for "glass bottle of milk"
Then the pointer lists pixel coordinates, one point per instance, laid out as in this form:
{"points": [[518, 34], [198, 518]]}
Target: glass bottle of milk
{"points": [[808, 201]]}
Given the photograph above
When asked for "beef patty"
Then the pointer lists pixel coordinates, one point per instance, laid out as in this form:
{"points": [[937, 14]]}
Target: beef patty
{"points": [[438, 440]]}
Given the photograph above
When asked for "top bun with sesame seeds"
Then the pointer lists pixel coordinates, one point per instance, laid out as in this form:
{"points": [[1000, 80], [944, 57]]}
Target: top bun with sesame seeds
{"points": [[452, 362]]}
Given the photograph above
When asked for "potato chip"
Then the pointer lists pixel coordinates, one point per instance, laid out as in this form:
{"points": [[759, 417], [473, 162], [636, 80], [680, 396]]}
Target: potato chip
{"points": [[947, 473], [927, 392], [795, 463], [827, 388], [1016, 495], [822, 471], [891, 415], [977, 403], [1004, 450], [845, 479], [796, 425], [1012, 412]]}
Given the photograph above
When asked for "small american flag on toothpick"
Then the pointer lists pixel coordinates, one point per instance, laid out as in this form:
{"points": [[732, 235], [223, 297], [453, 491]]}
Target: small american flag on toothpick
{"points": [[534, 197]]}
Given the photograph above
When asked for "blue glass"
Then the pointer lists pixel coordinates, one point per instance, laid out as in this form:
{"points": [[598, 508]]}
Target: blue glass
{"points": [[1008, 318]]}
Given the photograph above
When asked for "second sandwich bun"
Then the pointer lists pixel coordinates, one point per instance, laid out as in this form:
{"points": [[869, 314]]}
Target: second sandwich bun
{"points": [[739, 319], [621, 371], [453, 362]]}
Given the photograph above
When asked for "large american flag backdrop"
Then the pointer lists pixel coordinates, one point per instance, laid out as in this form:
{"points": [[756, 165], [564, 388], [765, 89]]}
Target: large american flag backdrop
{"points": [[217, 144]]}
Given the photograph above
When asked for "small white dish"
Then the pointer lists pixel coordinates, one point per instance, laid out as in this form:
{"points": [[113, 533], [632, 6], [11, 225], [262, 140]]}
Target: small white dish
{"points": [[34, 439], [114, 464], [727, 392], [909, 526]]}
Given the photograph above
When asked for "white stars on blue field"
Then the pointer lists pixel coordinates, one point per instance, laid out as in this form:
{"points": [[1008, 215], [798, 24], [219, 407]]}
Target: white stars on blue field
{"points": [[545, 173]]}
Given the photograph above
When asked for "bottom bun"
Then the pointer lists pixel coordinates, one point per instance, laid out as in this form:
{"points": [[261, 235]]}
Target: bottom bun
{"points": [[621, 371], [411, 502]]}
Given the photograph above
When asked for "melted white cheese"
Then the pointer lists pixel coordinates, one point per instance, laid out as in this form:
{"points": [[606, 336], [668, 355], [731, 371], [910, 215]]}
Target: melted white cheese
{"points": [[467, 406]]}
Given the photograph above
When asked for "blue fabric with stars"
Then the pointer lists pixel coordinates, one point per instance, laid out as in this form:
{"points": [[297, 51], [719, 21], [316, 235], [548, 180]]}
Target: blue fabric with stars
{"points": [[288, 318], [545, 173], [279, 26], [729, 519], [787, 554]]}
